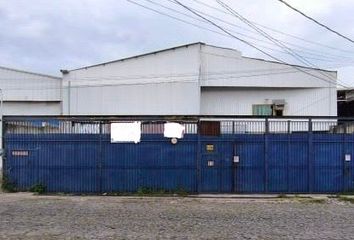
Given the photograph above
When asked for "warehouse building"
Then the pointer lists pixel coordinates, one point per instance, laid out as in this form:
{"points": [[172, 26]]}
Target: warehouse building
{"points": [[198, 79], [28, 93]]}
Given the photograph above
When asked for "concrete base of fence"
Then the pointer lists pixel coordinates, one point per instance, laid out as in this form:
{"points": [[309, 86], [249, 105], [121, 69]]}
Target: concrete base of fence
{"points": [[264, 196]]}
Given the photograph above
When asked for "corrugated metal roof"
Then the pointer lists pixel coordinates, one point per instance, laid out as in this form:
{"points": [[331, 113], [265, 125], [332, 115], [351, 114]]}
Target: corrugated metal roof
{"points": [[27, 72], [137, 56], [187, 45]]}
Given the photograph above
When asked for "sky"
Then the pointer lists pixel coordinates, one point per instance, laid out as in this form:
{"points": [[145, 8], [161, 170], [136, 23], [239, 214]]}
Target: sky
{"points": [[46, 36]]}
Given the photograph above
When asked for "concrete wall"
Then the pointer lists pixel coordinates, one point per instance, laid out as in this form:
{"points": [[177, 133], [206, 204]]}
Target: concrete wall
{"points": [[166, 82]]}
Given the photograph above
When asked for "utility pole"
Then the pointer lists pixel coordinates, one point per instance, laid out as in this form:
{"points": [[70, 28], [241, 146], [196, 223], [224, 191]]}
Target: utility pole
{"points": [[1, 127]]}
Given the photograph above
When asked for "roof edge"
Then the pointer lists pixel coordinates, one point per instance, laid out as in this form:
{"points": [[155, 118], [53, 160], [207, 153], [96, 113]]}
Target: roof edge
{"points": [[28, 72], [135, 56]]}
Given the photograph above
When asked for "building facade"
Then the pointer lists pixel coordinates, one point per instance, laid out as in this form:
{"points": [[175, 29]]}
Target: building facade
{"points": [[345, 98], [27, 93], [198, 79]]}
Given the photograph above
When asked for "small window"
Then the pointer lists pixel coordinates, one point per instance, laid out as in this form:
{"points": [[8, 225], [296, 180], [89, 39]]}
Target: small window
{"points": [[262, 110], [278, 112], [209, 128]]}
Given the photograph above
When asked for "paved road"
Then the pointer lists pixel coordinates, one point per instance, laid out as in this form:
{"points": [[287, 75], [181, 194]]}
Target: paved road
{"points": [[25, 216]]}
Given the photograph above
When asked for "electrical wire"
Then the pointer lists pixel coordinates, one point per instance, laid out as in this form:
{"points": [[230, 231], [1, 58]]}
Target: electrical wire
{"points": [[216, 32], [204, 78], [323, 58], [153, 76], [275, 41], [299, 48], [317, 22], [277, 31], [239, 16], [253, 46]]}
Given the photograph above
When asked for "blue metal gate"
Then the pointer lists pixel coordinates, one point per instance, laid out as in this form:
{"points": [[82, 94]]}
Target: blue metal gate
{"points": [[305, 162]]}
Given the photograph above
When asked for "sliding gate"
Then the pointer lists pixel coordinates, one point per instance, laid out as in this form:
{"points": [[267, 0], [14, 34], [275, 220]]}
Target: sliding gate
{"points": [[72, 155]]}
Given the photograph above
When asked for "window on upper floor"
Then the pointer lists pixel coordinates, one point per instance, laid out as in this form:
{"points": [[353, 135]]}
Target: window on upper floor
{"points": [[262, 110]]}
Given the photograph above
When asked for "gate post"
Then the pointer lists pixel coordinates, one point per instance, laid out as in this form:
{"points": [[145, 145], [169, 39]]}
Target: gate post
{"points": [[100, 159], [311, 171], [3, 168], [266, 155], [198, 160], [266, 163]]}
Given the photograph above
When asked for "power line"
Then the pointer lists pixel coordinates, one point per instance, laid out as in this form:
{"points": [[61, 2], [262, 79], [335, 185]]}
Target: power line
{"points": [[183, 75], [317, 22], [204, 77], [276, 41], [228, 35], [295, 55], [252, 45], [213, 31], [277, 31], [302, 48]]}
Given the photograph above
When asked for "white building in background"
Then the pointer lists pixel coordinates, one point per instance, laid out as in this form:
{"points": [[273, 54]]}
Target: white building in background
{"points": [[198, 79], [27, 93]]}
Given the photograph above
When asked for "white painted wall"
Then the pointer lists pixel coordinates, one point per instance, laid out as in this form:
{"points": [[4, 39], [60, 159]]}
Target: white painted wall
{"points": [[231, 84], [198, 79], [26, 93], [25, 86], [239, 101], [32, 108], [226, 67], [166, 82]]}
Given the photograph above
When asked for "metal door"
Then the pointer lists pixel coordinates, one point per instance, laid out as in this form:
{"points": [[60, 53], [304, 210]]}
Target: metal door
{"points": [[249, 167]]}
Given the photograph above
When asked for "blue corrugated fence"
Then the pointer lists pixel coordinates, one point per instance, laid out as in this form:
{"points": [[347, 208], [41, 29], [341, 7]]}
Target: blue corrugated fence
{"points": [[267, 163]]}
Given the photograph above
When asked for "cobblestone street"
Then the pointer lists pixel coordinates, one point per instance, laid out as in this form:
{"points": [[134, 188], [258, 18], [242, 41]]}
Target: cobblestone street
{"points": [[27, 216]]}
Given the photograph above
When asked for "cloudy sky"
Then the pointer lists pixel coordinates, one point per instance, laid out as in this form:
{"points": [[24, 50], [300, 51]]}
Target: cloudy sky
{"points": [[45, 36]]}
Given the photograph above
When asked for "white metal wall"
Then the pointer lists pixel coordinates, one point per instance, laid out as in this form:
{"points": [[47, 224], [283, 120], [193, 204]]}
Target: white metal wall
{"points": [[25, 93], [231, 84], [163, 83], [239, 101], [226, 67], [32, 108], [24, 86], [199, 79]]}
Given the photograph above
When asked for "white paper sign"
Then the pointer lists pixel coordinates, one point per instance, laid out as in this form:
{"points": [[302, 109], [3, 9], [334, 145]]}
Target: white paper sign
{"points": [[348, 157], [125, 132], [173, 130]]}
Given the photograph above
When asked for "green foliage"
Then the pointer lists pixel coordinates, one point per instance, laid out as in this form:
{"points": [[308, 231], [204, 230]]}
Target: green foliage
{"points": [[146, 191], [282, 195], [7, 186], [38, 188], [346, 199], [180, 191]]}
